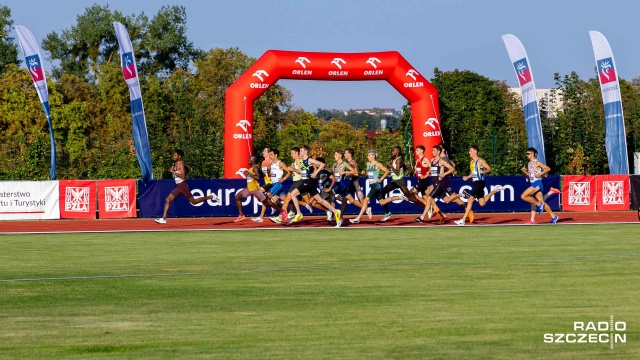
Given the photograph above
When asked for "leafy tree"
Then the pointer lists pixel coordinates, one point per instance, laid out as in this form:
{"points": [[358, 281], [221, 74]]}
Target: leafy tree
{"points": [[324, 114], [8, 49], [384, 142], [580, 123], [473, 110], [631, 108], [339, 135], [300, 128], [164, 45], [160, 44]]}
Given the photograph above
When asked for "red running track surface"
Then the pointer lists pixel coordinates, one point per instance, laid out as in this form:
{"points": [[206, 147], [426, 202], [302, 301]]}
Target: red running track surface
{"points": [[191, 224]]}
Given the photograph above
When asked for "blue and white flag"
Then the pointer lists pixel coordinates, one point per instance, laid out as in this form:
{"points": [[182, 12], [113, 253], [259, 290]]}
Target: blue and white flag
{"points": [[33, 60], [139, 124], [615, 139], [520, 62]]}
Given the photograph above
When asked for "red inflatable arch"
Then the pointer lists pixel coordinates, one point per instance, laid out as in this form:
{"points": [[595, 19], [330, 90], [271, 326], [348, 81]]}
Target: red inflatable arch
{"points": [[275, 65]]}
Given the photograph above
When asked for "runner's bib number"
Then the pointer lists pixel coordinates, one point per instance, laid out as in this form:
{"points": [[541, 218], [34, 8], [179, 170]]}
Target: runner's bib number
{"points": [[434, 171]]}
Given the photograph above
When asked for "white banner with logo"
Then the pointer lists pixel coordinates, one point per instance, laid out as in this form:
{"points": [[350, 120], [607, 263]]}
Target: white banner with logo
{"points": [[29, 200]]}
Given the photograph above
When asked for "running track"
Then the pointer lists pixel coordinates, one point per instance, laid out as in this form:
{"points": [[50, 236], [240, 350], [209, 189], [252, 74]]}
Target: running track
{"points": [[194, 224]]}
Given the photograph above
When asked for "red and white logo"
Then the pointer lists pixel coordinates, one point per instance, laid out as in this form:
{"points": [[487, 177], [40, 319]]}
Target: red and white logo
{"points": [[244, 124], [259, 74], [412, 74], [613, 192], [579, 193], [337, 62], [241, 172], [77, 199], [431, 122], [302, 60], [372, 61], [116, 198]]}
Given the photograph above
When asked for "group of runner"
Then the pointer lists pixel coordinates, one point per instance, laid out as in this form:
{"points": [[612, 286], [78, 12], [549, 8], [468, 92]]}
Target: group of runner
{"points": [[317, 185]]}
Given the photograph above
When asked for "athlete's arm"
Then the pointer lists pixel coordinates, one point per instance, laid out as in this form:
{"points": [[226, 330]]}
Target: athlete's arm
{"points": [[385, 171], [179, 169], [293, 168], [396, 165], [333, 182], [317, 165], [450, 170], [286, 169], [545, 169], [483, 164], [353, 168], [256, 172]]}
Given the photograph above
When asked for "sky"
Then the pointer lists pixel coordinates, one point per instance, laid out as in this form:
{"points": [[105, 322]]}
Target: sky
{"points": [[443, 34]]}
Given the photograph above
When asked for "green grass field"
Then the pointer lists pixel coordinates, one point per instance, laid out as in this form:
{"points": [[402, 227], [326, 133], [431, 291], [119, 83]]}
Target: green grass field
{"points": [[483, 292]]}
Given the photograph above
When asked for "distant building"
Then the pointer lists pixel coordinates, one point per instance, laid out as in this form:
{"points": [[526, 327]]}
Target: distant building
{"points": [[551, 98], [375, 112]]}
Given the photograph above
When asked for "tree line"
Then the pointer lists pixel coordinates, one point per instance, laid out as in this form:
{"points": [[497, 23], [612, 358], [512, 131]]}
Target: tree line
{"points": [[183, 91]]}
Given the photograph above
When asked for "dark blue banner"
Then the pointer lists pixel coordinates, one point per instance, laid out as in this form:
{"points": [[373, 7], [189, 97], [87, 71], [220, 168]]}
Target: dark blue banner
{"points": [[152, 195], [52, 169], [615, 139], [534, 129], [141, 139]]}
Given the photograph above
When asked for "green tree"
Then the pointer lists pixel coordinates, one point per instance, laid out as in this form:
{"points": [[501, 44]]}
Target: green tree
{"points": [[164, 46], [473, 110], [8, 49], [338, 135], [300, 128], [579, 129], [160, 44]]}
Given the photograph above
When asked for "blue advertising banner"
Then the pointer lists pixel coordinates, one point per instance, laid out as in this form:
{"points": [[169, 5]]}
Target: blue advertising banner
{"points": [[152, 194], [615, 134], [521, 65]]}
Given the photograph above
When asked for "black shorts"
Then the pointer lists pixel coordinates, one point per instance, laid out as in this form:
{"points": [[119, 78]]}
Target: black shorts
{"points": [[328, 196], [446, 185], [422, 185], [438, 190], [478, 189], [267, 187], [309, 186], [295, 185]]}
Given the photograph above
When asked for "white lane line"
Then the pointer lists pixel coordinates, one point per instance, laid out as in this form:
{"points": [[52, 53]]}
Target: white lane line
{"points": [[95, 277]]}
